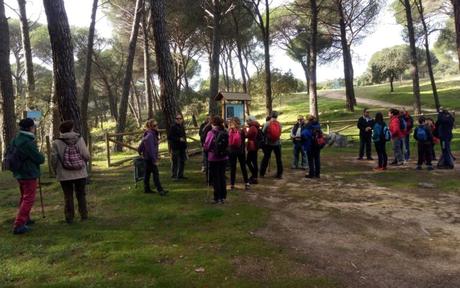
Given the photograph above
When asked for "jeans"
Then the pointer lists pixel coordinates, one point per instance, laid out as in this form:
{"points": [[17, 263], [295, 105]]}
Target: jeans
{"points": [[267, 154], [151, 168], [217, 171], [251, 160], [314, 163], [240, 157], [397, 150], [365, 142], [178, 163], [28, 188], [380, 147], [406, 147], [69, 187], [298, 149], [424, 154]]}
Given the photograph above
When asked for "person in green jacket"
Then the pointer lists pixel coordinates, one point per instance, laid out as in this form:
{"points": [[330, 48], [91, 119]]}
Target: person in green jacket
{"points": [[27, 174]]}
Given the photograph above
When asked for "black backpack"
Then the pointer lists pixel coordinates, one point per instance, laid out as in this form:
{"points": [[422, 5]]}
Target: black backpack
{"points": [[260, 138], [221, 143], [13, 158]]}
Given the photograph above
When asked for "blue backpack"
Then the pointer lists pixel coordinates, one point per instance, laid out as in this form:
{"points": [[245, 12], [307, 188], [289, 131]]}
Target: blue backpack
{"points": [[386, 133], [421, 134], [402, 123]]}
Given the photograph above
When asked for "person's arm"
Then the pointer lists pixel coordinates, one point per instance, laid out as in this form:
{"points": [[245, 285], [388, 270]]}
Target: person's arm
{"points": [[32, 152], [141, 147], [83, 149], [209, 140], [149, 146], [155, 156], [173, 135], [415, 134], [360, 124]]}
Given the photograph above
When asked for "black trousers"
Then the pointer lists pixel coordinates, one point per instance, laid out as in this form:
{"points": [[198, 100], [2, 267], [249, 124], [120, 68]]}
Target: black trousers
{"points": [[424, 153], [365, 142], [69, 187], [240, 157], [178, 163], [251, 160], [267, 154], [314, 163], [217, 174], [380, 147], [151, 168]]}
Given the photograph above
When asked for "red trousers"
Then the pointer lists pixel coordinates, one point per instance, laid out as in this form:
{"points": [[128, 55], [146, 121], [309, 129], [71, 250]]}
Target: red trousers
{"points": [[28, 189]]}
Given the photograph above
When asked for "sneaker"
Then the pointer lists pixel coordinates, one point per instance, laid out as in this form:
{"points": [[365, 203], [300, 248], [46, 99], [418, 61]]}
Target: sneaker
{"points": [[279, 177], [418, 168], [359, 158], [430, 168], [215, 202], [163, 192], [370, 158], [221, 201], [378, 169], [21, 230], [232, 187], [308, 176], [394, 163], [182, 177], [253, 181], [247, 186], [148, 191]]}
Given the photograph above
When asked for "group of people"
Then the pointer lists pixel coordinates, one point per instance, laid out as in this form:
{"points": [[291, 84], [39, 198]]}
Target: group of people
{"points": [[400, 128]]}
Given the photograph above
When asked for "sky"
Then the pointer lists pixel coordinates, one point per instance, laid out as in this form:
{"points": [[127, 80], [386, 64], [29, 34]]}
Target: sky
{"points": [[386, 33]]}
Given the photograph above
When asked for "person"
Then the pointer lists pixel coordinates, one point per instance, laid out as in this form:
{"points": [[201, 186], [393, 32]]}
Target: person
{"points": [[424, 140], [68, 158], [396, 137], [148, 148], [217, 159], [380, 136], [255, 138], [205, 127], [365, 124], [431, 125], [296, 138], [409, 125], [272, 131], [310, 134], [27, 173], [236, 141], [178, 146], [444, 126]]}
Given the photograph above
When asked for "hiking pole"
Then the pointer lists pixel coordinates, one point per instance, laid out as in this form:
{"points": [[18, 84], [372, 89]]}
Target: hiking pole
{"points": [[208, 177], [41, 197]]}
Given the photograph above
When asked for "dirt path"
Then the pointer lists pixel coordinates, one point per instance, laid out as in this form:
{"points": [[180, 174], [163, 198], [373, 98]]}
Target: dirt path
{"points": [[339, 95], [361, 234]]}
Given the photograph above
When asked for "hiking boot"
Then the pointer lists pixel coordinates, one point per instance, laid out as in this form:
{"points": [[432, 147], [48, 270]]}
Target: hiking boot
{"points": [[359, 158], [182, 177], [394, 163], [253, 181], [430, 168], [370, 158], [148, 191], [163, 192], [221, 201], [247, 186], [308, 176], [279, 177], [21, 230]]}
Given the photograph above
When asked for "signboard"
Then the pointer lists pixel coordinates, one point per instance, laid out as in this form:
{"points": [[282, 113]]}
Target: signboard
{"points": [[234, 110], [35, 115]]}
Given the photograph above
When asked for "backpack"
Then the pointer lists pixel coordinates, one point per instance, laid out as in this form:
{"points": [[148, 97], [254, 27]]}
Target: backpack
{"points": [[409, 122], [72, 159], [386, 134], [421, 134], [13, 158], [273, 131], [234, 139], [220, 143], [260, 138], [318, 138], [402, 123]]}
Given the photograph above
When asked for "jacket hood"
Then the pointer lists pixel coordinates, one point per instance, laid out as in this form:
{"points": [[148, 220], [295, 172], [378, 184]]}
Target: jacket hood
{"points": [[70, 137], [254, 123], [24, 136]]}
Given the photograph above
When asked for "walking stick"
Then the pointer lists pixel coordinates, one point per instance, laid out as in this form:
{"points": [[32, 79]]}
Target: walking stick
{"points": [[208, 177], [41, 197]]}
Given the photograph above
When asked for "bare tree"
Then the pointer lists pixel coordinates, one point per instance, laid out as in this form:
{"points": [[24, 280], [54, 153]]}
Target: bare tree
{"points": [[63, 61], [29, 66], [147, 82]]}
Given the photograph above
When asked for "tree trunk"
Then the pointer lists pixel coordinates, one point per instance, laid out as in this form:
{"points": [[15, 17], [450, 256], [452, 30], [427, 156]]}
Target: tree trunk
{"points": [[86, 84], [392, 78], [63, 62], [239, 52], [123, 109], [164, 63], [55, 115], [347, 61], [456, 4], [215, 59], [268, 74], [429, 64], [148, 84], [6, 83], [313, 58], [29, 65], [413, 54]]}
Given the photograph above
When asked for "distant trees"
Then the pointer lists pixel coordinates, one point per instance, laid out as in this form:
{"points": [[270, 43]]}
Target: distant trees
{"points": [[29, 66]]}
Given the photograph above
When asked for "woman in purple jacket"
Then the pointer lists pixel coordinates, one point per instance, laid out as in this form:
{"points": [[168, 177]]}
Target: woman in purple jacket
{"points": [[217, 161], [149, 150]]}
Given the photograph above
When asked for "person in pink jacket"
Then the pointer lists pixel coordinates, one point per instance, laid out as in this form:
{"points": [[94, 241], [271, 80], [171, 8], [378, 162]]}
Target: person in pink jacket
{"points": [[396, 137]]}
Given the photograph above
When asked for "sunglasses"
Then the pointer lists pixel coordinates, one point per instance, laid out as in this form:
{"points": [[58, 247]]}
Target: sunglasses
{"points": [[178, 118]]}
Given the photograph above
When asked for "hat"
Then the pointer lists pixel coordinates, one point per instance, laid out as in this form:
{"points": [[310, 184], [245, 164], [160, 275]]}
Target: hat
{"points": [[274, 114], [26, 123], [251, 118]]}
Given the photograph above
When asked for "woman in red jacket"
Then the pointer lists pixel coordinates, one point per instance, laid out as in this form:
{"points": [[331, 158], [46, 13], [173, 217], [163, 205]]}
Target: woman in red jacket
{"points": [[252, 132], [396, 137]]}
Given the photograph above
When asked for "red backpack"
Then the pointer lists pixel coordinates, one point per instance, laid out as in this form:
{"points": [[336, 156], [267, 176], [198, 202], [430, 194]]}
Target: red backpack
{"points": [[234, 139], [273, 132]]}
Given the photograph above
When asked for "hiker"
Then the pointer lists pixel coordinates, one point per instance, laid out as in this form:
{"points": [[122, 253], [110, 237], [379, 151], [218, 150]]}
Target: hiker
{"points": [[396, 137], [26, 169], [365, 124], [68, 158], [216, 145], [272, 132], [409, 125], [255, 139], [296, 137], [148, 148], [444, 126], [424, 140], [236, 145], [313, 141], [380, 135], [431, 125], [205, 127], [178, 148]]}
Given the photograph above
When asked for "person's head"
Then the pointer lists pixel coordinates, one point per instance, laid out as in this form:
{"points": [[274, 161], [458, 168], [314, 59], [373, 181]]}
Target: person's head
{"points": [[429, 120], [393, 112], [151, 124], [311, 118], [27, 125], [300, 119], [379, 117], [274, 115], [250, 119], [234, 123], [366, 112], [216, 121], [66, 126], [421, 120], [179, 119]]}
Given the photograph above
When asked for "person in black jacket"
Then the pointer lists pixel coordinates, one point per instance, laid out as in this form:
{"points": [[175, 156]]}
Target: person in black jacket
{"points": [[444, 127], [178, 147], [365, 124], [205, 127]]}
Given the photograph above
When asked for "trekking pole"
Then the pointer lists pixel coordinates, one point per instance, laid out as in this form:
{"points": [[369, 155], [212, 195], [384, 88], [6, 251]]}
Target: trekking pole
{"points": [[41, 197], [207, 181]]}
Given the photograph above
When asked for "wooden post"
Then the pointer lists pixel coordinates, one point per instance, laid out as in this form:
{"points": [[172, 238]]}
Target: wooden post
{"points": [[108, 148], [48, 154], [328, 128], [90, 148]]}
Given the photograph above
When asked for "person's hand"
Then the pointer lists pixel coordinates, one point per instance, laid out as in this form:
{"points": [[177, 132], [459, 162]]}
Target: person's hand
{"points": [[182, 139], [156, 163]]}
